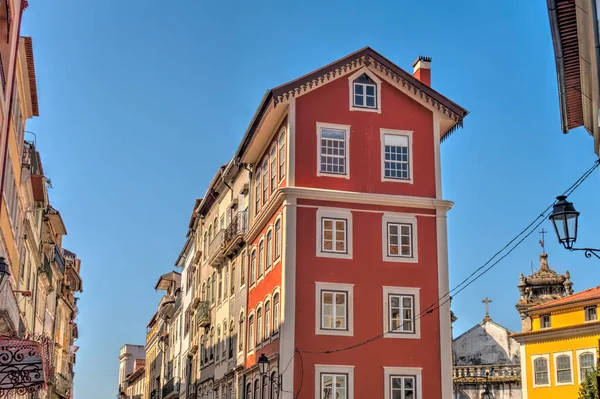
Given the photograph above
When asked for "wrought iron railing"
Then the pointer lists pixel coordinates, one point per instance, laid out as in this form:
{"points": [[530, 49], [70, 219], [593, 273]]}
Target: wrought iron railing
{"points": [[237, 227], [170, 387], [62, 384], [203, 314], [216, 245], [58, 258]]}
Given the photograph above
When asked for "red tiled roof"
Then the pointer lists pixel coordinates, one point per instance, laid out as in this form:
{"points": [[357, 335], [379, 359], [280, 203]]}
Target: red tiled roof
{"points": [[592, 293]]}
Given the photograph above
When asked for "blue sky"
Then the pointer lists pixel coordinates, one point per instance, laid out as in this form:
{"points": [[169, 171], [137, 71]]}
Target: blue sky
{"points": [[140, 101]]}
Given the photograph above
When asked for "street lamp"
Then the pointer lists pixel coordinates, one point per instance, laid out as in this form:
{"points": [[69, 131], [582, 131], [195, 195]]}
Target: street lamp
{"points": [[487, 394], [263, 369], [565, 220]]}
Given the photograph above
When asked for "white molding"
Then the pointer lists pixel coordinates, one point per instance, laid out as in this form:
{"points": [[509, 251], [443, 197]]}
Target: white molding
{"points": [[352, 78], [291, 144], [388, 372], [533, 359], [404, 219], [282, 132], [276, 290], [272, 230], [346, 128], [334, 369], [415, 293], [444, 311], [366, 198], [523, 371], [580, 352], [277, 259], [349, 289], [394, 132], [437, 156], [555, 355], [287, 297], [338, 213]]}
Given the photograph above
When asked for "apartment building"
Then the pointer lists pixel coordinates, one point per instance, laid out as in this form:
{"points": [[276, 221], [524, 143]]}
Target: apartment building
{"points": [[315, 250]]}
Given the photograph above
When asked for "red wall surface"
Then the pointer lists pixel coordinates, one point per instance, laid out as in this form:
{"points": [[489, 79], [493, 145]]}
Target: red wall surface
{"points": [[330, 104]]}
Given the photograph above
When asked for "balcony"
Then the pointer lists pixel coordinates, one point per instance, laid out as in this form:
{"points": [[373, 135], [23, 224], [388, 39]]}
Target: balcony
{"points": [[62, 385], [215, 248], [166, 306], [501, 372], [171, 389], [9, 312], [58, 258], [234, 233], [203, 314]]}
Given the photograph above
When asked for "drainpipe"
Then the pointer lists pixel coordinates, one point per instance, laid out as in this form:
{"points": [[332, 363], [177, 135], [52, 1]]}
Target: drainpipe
{"points": [[5, 131]]}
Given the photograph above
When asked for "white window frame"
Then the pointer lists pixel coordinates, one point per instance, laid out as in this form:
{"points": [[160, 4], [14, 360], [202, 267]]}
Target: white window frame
{"points": [[251, 339], [580, 352], [393, 132], [334, 369], [334, 213], [555, 355], [542, 327], [406, 291], [586, 309], [399, 218], [389, 372], [277, 247], [281, 155], [352, 78], [276, 291], [346, 129], [349, 290], [533, 359]]}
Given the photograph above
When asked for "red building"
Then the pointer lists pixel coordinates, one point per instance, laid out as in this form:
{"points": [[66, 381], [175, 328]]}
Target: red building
{"points": [[347, 237]]}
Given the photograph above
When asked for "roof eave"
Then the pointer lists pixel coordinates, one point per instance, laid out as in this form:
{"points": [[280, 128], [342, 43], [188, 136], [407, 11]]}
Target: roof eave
{"points": [[560, 66]]}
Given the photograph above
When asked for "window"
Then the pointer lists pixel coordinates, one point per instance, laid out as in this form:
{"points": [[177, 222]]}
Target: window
{"points": [[273, 394], [334, 235], [334, 309], [591, 313], [396, 162], [211, 343], [334, 386], [214, 288], [218, 350], [334, 382], [276, 313], [586, 363], [273, 170], [251, 342], [205, 244], [269, 248], [243, 270], [220, 285], [261, 258], [225, 280], [282, 155], [257, 192], [563, 369], [249, 390], [224, 339], [278, 238], [365, 92], [256, 389], [265, 387], [401, 304], [399, 240], [259, 326], [545, 321], [265, 181], [231, 342], [333, 150], [267, 319], [241, 333], [402, 383], [233, 278], [253, 268]]}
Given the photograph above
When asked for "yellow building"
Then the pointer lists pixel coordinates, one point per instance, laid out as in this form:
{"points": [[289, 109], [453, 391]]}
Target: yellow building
{"points": [[561, 347]]}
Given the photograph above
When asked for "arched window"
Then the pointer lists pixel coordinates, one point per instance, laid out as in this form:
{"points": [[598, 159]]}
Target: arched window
{"points": [[259, 326], [276, 313], [211, 343], [210, 233], [540, 366], [232, 278], [252, 276], [249, 390], [205, 245], [586, 364], [241, 333], [282, 155], [269, 248], [257, 192], [218, 350], [563, 369], [365, 92], [203, 292], [265, 181], [251, 342], [277, 238], [208, 294], [265, 387], [267, 319], [256, 388], [231, 341], [261, 258], [225, 339], [202, 350], [273, 170], [273, 385], [214, 287]]}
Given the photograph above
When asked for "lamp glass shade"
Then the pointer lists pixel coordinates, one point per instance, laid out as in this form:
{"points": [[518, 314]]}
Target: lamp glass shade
{"points": [[263, 364], [564, 218]]}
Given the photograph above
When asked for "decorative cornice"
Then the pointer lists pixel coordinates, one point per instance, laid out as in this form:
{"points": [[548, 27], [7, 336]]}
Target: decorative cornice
{"points": [[552, 334]]}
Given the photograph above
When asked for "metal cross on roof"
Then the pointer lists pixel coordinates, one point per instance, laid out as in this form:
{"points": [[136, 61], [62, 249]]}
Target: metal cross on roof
{"points": [[542, 241], [487, 302]]}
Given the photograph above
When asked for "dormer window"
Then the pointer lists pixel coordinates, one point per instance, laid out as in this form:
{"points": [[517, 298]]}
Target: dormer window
{"points": [[365, 92], [591, 314], [545, 321]]}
